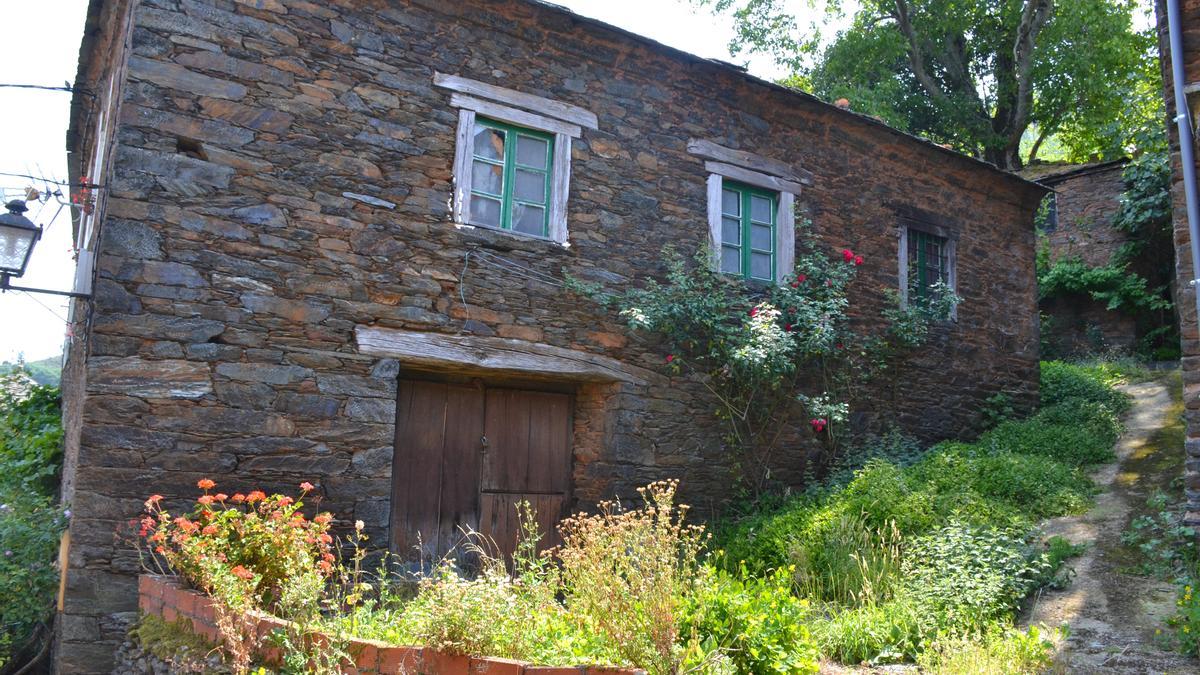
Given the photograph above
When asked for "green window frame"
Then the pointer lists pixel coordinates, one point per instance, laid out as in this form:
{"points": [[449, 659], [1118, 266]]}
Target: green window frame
{"points": [[749, 218], [928, 262], [511, 171]]}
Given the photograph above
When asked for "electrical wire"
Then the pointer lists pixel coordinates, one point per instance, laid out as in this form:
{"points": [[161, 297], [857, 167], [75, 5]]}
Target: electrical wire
{"points": [[66, 88], [91, 186], [44, 306]]}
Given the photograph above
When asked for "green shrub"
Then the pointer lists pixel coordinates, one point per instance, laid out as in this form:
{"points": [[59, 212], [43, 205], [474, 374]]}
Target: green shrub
{"points": [[998, 652], [1061, 381], [890, 632], [30, 520], [1033, 485], [970, 577], [1075, 431], [755, 622]]}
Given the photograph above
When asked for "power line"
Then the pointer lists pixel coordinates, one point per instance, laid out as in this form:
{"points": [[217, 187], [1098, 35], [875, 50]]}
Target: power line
{"points": [[45, 306], [92, 186], [67, 88]]}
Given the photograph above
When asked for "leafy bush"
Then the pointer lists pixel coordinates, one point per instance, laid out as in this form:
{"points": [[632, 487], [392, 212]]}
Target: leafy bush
{"points": [[628, 573], [1061, 381], [970, 577], [1186, 620], [1165, 542], [1075, 431], [31, 523], [262, 541], [756, 622], [997, 652], [889, 632]]}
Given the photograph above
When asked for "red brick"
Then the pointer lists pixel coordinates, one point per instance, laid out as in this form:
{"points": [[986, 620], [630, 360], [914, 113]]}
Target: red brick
{"points": [[405, 660], [496, 666], [440, 663]]}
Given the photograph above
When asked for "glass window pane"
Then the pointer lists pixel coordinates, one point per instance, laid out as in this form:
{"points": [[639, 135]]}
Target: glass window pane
{"points": [[489, 143], [760, 209], [760, 238], [731, 203], [530, 186], [532, 151], [731, 260], [485, 211], [487, 178], [731, 231], [529, 219], [760, 266]]}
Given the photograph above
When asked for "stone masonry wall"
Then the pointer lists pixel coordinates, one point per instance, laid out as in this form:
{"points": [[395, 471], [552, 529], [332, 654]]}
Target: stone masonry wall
{"points": [[1185, 299], [1087, 201], [233, 271]]}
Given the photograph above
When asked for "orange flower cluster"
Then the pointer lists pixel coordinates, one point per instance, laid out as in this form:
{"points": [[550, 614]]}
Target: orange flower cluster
{"points": [[259, 541]]}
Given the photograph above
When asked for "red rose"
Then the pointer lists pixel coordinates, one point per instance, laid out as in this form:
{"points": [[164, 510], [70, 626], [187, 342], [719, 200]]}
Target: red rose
{"points": [[205, 484], [787, 327], [670, 358], [753, 311], [858, 260], [801, 278], [818, 424], [847, 255]]}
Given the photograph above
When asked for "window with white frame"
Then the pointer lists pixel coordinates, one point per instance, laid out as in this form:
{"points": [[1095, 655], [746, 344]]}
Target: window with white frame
{"points": [[751, 212], [512, 166]]}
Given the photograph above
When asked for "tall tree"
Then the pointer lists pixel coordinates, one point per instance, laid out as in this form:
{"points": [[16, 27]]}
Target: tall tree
{"points": [[977, 74]]}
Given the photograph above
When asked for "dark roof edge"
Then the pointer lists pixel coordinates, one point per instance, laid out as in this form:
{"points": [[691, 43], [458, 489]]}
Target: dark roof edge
{"points": [[1080, 170], [803, 95]]}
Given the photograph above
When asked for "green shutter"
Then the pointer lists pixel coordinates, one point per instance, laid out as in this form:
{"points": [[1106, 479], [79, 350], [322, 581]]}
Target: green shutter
{"points": [[510, 177], [748, 223]]}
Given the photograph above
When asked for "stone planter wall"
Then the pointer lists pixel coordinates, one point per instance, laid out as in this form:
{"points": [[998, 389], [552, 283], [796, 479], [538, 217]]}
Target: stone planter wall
{"points": [[166, 597]]}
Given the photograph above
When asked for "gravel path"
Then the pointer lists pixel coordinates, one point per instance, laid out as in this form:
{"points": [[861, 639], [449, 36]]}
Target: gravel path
{"points": [[1113, 615]]}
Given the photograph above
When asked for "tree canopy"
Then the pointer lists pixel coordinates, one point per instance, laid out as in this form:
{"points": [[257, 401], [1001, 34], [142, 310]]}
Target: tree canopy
{"points": [[980, 75]]}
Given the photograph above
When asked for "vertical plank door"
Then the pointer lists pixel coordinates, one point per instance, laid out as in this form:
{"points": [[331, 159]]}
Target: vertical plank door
{"points": [[527, 457], [435, 467]]}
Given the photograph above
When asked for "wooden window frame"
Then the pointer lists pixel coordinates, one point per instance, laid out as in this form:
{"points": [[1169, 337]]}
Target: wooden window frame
{"points": [[949, 236], [509, 165], [560, 120], [782, 179], [785, 220], [745, 247]]}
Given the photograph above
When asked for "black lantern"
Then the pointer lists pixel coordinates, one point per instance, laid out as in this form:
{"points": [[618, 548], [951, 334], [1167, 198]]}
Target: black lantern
{"points": [[17, 237]]}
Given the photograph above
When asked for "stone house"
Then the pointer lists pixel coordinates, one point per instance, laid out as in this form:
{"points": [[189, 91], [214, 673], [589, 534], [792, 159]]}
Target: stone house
{"points": [[1078, 223], [1185, 274], [329, 245]]}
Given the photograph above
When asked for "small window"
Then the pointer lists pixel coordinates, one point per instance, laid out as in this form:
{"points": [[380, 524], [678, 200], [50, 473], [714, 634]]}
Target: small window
{"points": [[748, 224], [928, 262], [1047, 215], [510, 177]]}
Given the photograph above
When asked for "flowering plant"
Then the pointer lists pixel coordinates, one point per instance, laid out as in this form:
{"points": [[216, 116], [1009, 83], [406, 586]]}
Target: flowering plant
{"points": [[758, 349], [244, 546]]}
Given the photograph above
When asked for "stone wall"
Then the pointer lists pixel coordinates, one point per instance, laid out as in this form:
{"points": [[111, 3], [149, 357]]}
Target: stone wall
{"points": [[1185, 298], [1088, 198], [233, 271]]}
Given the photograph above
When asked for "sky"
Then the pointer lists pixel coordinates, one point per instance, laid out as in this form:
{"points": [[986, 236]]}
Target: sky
{"points": [[35, 125]]}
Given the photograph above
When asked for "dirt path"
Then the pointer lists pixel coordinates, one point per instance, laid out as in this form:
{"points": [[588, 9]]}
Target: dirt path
{"points": [[1112, 614]]}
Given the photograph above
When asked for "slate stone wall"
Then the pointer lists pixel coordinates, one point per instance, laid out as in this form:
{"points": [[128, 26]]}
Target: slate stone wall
{"points": [[233, 270], [1088, 200], [1185, 298]]}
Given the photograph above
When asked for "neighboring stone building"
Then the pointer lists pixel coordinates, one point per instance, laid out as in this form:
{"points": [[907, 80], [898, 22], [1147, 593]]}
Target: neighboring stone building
{"points": [[287, 289], [1185, 290], [1078, 224]]}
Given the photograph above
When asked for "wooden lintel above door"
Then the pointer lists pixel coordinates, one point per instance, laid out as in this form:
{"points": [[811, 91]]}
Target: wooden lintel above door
{"points": [[490, 355]]}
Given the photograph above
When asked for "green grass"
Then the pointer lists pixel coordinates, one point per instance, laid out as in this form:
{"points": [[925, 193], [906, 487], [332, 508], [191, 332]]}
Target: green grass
{"points": [[900, 556]]}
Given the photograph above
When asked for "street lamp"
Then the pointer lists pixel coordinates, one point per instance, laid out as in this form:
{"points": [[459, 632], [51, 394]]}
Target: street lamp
{"points": [[18, 234]]}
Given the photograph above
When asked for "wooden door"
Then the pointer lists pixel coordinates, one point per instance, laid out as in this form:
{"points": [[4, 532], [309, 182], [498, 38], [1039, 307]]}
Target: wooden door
{"points": [[466, 456], [527, 459], [435, 467]]}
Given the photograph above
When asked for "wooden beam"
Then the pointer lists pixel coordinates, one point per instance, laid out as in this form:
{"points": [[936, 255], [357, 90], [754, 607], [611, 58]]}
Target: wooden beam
{"points": [[747, 160], [500, 355], [754, 178], [514, 116], [546, 106]]}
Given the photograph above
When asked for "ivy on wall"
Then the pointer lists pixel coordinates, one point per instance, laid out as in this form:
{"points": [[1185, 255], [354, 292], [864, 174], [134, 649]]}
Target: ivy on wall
{"points": [[1137, 278]]}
